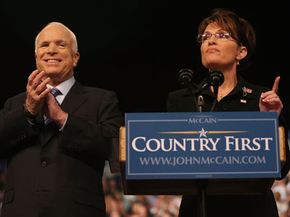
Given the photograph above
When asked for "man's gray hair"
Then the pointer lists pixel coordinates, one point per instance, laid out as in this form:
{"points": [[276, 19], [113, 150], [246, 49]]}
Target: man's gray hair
{"points": [[74, 38]]}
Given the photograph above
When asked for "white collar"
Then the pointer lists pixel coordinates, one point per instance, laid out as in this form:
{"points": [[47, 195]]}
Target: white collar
{"points": [[65, 86]]}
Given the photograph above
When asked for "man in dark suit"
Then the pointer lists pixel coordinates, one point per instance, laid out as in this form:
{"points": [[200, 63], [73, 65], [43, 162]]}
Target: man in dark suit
{"points": [[56, 146]]}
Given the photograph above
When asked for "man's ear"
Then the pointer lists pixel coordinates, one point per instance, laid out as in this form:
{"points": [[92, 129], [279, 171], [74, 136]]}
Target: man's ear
{"points": [[76, 58]]}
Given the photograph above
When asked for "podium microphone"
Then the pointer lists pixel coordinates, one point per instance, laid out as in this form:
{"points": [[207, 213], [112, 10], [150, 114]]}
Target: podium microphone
{"points": [[216, 78], [185, 77]]}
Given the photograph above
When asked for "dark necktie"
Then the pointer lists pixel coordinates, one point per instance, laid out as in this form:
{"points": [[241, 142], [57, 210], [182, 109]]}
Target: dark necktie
{"points": [[55, 92]]}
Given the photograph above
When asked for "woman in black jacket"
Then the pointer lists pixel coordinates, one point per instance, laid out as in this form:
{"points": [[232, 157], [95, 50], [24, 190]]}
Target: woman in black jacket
{"points": [[226, 41]]}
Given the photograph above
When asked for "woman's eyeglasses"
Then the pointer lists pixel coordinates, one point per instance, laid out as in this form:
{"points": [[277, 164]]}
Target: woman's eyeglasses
{"points": [[218, 35]]}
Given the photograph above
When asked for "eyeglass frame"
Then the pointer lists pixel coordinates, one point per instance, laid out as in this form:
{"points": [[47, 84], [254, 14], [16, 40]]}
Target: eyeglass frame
{"points": [[222, 35]]}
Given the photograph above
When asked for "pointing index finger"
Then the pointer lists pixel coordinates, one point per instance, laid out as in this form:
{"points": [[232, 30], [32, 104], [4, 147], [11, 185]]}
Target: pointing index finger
{"points": [[276, 84]]}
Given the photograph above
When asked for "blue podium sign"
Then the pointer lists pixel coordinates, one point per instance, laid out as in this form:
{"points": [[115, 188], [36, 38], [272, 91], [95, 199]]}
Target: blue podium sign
{"points": [[211, 145]]}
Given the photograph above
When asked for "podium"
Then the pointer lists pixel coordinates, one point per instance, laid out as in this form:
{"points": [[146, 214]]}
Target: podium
{"points": [[252, 183]]}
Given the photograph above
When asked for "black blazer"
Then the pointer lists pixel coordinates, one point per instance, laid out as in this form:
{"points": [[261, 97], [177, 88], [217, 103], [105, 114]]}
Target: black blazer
{"points": [[58, 174]]}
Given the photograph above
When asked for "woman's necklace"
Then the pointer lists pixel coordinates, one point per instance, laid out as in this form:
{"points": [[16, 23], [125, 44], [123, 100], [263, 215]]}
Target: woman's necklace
{"points": [[224, 92]]}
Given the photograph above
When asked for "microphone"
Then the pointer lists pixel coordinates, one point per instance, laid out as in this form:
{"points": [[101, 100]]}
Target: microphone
{"points": [[185, 77], [216, 78]]}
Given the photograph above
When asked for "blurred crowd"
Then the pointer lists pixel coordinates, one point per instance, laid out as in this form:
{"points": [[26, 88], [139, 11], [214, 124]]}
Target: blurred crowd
{"points": [[281, 191], [121, 205]]}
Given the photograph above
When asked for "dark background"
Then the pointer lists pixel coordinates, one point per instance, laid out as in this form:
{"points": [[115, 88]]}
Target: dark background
{"points": [[136, 47]]}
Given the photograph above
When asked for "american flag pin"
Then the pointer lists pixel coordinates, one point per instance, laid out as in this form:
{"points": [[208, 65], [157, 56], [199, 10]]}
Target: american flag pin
{"points": [[246, 91]]}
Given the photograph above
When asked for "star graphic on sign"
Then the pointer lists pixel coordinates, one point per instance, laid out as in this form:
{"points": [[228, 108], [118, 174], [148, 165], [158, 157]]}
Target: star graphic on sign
{"points": [[202, 133]]}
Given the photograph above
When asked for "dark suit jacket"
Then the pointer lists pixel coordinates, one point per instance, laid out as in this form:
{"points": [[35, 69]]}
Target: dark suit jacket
{"points": [[58, 174], [244, 97]]}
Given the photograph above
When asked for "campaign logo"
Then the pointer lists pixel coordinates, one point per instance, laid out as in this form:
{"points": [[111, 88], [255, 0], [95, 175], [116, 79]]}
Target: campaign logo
{"points": [[217, 145]]}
